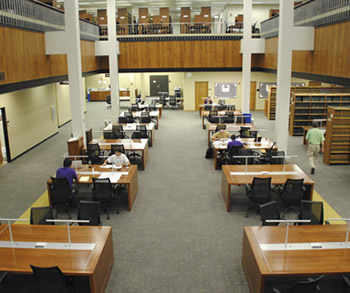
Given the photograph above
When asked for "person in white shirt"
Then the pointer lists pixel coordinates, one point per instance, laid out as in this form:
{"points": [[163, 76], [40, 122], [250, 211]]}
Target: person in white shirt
{"points": [[117, 159]]}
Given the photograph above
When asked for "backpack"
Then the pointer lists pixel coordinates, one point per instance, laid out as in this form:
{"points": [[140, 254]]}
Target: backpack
{"points": [[209, 153]]}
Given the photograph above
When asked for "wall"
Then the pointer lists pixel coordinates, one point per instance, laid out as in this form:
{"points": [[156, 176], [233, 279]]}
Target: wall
{"points": [[29, 116], [63, 104]]}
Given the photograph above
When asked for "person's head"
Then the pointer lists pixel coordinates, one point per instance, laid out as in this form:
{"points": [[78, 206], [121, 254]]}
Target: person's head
{"points": [[233, 137], [314, 124], [67, 162], [222, 130], [117, 153]]}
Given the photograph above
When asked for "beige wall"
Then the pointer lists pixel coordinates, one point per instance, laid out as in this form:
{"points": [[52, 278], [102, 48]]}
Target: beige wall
{"points": [[63, 104], [29, 116]]}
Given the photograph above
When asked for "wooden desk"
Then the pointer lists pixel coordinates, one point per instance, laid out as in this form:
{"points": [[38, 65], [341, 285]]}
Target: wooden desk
{"points": [[95, 264], [213, 105], [229, 179], [220, 113], [131, 128], [230, 127], [249, 143], [130, 180], [129, 145], [158, 106], [152, 114], [260, 264]]}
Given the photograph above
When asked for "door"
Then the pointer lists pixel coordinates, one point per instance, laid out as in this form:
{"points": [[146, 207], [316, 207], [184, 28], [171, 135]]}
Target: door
{"points": [[159, 84], [252, 95], [5, 155], [201, 91]]}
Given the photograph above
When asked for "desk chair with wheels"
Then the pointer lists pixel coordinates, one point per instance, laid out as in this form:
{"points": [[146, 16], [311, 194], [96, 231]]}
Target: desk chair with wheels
{"points": [[62, 195], [234, 151], [275, 161], [109, 106], [104, 192], [229, 117], [122, 119], [292, 193], [128, 117], [143, 133], [50, 280], [134, 108], [89, 210], [258, 192], [172, 102], [241, 119], [39, 215], [94, 153], [208, 107], [118, 132], [117, 148], [213, 116], [146, 118], [220, 127], [311, 210], [308, 286], [244, 132], [269, 211]]}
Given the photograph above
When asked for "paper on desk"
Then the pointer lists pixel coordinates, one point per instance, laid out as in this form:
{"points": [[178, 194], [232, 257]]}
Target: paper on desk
{"points": [[113, 176], [84, 179]]}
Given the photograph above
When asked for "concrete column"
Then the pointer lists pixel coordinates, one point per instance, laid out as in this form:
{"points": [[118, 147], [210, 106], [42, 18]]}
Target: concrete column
{"points": [[74, 67]]}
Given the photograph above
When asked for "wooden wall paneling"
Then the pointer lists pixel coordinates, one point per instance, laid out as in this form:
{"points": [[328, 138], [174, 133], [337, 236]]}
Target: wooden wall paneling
{"points": [[101, 16]]}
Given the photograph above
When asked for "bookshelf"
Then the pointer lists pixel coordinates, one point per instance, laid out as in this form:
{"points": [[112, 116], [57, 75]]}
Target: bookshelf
{"points": [[271, 103], [337, 144], [124, 22], [305, 107]]}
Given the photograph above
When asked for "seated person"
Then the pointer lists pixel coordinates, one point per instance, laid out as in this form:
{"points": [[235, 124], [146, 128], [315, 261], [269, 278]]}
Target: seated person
{"points": [[233, 143], [221, 134], [117, 159], [67, 172]]}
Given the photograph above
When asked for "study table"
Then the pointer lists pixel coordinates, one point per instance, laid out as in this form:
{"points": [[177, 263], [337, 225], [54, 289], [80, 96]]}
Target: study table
{"points": [[159, 108], [129, 145], [95, 262], [230, 127], [214, 107], [131, 127], [248, 143], [237, 175], [220, 113], [261, 263], [128, 177], [178, 99], [152, 114]]}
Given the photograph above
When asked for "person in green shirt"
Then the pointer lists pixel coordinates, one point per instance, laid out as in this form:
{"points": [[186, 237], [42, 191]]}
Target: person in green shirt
{"points": [[315, 144], [221, 134]]}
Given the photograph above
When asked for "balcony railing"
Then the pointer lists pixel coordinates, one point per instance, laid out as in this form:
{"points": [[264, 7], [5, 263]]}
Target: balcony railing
{"points": [[37, 16], [312, 13]]}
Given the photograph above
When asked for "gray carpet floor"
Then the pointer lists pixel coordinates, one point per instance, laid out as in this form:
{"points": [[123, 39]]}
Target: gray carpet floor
{"points": [[178, 237]]}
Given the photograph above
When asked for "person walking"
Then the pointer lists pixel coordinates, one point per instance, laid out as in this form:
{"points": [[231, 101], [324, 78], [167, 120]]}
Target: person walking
{"points": [[314, 144]]}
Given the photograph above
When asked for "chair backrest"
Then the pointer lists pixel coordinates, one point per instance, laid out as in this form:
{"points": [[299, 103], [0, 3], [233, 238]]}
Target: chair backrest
{"points": [[136, 135], [38, 215], [152, 107], [246, 152], [117, 148], [269, 211], [276, 161], [234, 151], [118, 131], [60, 190], [122, 119], [208, 107], [220, 127], [101, 190], [49, 280], [213, 112], [134, 107], [240, 119], [94, 152], [108, 99], [143, 130], [221, 102], [311, 210], [244, 132], [128, 117], [172, 101], [308, 286], [293, 191], [89, 210], [145, 118], [230, 117], [261, 190]]}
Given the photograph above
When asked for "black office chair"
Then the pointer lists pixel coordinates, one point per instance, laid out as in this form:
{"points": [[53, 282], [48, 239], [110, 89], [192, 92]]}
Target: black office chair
{"points": [[208, 107], [231, 107], [250, 153], [122, 119], [89, 210], [109, 102], [244, 132], [258, 192], [172, 102], [229, 117], [118, 131], [146, 118], [128, 117], [39, 215], [138, 99], [62, 195], [311, 210], [104, 192], [50, 280], [221, 107], [308, 286], [292, 193], [220, 127], [241, 120], [152, 107], [276, 161], [162, 100], [117, 148], [234, 151], [134, 108], [143, 133], [269, 211], [213, 116], [94, 153]]}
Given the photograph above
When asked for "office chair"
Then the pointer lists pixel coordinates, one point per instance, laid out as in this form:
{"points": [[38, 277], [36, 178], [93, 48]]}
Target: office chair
{"points": [[309, 286], [39, 215], [230, 117], [104, 192], [107, 134], [118, 131], [241, 120], [128, 117], [94, 153], [244, 132], [292, 193], [221, 102], [162, 100], [138, 99], [269, 211], [231, 107], [220, 127], [234, 151], [221, 107], [50, 280], [275, 161], [134, 108], [250, 153], [122, 119], [152, 107], [89, 210], [213, 116], [62, 195], [208, 107], [311, 210], [258, 192], [172, 102], [143, 133], [117, 148], [145, 117], [109, 106]]}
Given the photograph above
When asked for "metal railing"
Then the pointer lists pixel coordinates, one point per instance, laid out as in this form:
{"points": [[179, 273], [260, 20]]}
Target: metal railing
{"points": [[37, 16], [312, 13]]}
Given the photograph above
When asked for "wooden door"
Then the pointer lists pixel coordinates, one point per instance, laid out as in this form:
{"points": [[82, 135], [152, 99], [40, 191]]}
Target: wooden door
{"points": [[252, 95], [201, 91]]}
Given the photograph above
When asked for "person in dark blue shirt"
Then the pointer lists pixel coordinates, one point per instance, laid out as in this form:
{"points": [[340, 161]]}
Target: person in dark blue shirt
{"points": [[67, 172], [233, 143]]}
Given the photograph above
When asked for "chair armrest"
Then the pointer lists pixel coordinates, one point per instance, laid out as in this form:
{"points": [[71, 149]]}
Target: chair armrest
{"points": [[248, 188], [304, 189], [346, 280], [276, 290], [327, 222]]}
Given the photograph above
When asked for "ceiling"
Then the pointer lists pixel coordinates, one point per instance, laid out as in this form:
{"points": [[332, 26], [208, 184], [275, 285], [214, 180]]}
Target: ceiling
{"points": [[174, 5]]}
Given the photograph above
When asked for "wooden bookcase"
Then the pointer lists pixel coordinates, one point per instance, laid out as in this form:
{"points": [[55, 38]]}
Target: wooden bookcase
{"points": [[185, 19], [271, 103], [337, 144], [305, 107], [124, 22], [75, 146]]}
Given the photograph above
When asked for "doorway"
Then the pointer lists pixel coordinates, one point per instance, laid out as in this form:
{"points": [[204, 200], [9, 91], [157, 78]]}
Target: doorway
{"points": [[201, 91], [5, 155], [252, 95], [158, 84]]}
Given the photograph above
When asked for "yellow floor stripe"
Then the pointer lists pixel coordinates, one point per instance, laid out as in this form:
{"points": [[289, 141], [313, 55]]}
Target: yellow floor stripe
{"points": [[328, 211], [40, 202]]}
